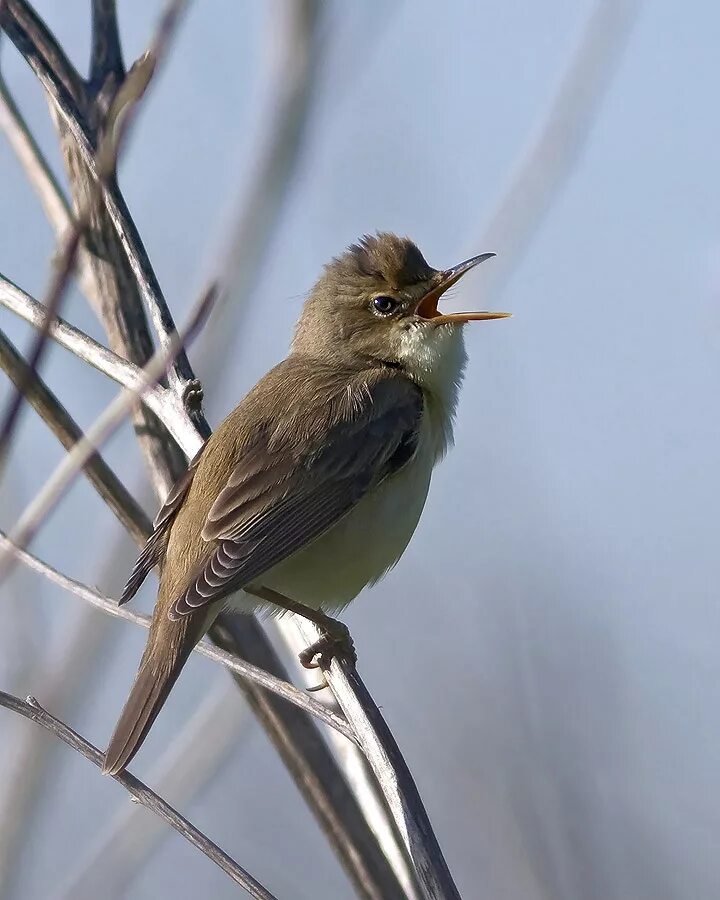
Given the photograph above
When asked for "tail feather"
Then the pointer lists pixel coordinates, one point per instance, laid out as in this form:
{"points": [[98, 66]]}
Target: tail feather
{"points": [[162, 662]]}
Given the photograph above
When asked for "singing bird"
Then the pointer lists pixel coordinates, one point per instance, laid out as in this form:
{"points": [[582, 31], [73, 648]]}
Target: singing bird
{"points": [[312, 487]]}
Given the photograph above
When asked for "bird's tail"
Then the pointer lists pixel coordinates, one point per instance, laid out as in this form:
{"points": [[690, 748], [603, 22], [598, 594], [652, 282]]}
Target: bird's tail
{"points": [[168, 648]]}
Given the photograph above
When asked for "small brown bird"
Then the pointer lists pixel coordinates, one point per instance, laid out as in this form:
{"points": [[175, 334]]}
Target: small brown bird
{"points": [[312, 487]]}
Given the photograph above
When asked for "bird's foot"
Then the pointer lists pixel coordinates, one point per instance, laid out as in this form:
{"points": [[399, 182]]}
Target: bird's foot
{"points": [[335, 642]]}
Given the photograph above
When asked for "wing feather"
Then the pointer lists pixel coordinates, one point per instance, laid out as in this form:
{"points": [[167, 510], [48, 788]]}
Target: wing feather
{"points": [[152, 553], [285, 493]]}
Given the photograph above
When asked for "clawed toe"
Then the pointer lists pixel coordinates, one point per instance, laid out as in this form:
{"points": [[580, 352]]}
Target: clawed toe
{"points": [[334, 643]]}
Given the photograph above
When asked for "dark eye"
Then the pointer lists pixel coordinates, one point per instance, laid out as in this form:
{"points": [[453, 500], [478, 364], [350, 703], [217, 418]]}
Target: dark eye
{"points": [[384, 305]]}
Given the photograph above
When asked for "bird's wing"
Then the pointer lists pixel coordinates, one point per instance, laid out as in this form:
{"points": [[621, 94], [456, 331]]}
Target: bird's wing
{"points": [[287, 489], [152, 552]]}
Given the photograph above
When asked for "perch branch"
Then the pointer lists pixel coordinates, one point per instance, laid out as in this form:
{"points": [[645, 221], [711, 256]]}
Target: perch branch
{"points": [[32, 710], [239, 666]]}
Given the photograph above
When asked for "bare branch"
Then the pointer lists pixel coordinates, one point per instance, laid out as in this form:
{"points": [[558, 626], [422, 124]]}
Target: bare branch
{"points": [[232, 662], [42, 52], [62, 270], [32, 710], [191, 759], [102, 428], [131, 89], [164, 403], [43, 181], [106, 58], [33, 161], [64, 427], [391, 770], [84, 142], [359, 774]]}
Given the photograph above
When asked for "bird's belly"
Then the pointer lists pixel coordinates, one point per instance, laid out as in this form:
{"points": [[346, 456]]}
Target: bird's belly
{"points": [[361, 547]]}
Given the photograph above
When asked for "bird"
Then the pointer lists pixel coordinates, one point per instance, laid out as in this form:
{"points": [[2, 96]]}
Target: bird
{"points": [[311, 488]]}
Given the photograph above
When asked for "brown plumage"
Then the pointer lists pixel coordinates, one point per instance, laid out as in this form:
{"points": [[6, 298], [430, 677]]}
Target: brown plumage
{"points": [[313, 485]]}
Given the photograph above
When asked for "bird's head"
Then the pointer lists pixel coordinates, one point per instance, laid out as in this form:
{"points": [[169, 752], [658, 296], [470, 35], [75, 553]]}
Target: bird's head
{"points": [[377, 303]]}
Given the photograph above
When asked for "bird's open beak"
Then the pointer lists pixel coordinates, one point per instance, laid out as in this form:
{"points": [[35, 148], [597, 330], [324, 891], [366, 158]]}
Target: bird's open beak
{"points": [[427, 307]]}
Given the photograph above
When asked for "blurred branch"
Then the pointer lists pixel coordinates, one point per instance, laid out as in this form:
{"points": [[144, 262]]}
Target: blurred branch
{"points": [[67, 431], [294, 45], [113, 131], [106, 58], [117, 297], [62, 270], [41, 178], [239, 666], [42, 52], [553, 150], [62, 680], [163, 402], [190, 761], [31, 709], [109, 420]]}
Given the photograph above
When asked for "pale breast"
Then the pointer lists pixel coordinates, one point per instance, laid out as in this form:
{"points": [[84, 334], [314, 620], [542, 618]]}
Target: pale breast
{"points": [[371, 538], [362, 546]]}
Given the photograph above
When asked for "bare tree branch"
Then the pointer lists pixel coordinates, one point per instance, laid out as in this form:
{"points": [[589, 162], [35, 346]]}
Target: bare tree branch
{"points": [[235, 664], [42, 180], [130, 838], [67, 431], [42, 52], [103, 427], [32, 710], [106, 58], [393, 774], [62, 269], [164, 403]]}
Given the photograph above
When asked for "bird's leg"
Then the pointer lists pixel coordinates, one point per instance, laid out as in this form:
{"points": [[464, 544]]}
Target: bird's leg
{"points": [[335, 640]]}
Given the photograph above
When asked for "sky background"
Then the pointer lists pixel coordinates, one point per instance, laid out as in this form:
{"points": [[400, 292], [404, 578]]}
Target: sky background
{"points": [[546, 652]]}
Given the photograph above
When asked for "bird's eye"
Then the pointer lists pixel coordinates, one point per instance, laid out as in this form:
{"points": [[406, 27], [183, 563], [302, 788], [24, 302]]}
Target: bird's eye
{"points": [[384, 305]]}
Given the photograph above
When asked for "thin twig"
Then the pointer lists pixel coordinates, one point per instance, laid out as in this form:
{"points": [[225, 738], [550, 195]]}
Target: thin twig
{"points": [[192, 758], [164, 403], [43, 53], [32, 710], [62, 270], [239, 666], [123, 107], [33, 161], [110, 419], [69, 433], [78, 128]]}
